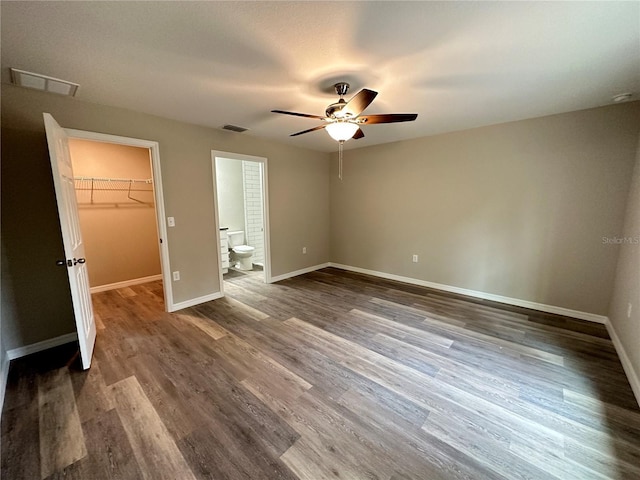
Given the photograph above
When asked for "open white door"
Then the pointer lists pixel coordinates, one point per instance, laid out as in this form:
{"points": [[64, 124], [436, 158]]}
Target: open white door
{"points": [[71, 237]]}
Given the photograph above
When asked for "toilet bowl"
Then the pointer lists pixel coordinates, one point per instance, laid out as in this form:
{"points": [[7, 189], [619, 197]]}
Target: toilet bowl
{"points": [[241, 253]]}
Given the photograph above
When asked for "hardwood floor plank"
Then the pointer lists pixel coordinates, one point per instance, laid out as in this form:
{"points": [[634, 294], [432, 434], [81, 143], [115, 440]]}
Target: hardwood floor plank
{"points": [[110, 453], [126, 292], [553, 462], [90, 392], [99, 322], [495, 341], [208, 326], [61, 436], [376, 404], [317, 369], [393, 328], [309, 461], [606, 461], [243, 294], [216, 454], [22, 383], [153, 447], [256, 364], [411, 355], [169, 401], [223, 403], [246, 309], [603, 409], [323, 429], [472, 439], [21, 441]]}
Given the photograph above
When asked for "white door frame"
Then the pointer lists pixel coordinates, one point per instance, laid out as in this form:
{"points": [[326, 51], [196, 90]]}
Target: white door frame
{"points": [[265, 208], [154, 148]]}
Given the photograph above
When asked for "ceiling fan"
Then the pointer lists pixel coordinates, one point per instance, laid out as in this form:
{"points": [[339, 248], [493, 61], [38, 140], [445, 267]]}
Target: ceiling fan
{"points": [[343, 119]]}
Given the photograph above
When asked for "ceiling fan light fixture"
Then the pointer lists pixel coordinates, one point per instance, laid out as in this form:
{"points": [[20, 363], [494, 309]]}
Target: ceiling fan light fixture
{"points": [[341, 131]]}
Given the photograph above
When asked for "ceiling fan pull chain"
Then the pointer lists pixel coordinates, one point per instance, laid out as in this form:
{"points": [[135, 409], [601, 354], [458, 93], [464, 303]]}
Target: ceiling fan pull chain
{"points": [[340, 160]]}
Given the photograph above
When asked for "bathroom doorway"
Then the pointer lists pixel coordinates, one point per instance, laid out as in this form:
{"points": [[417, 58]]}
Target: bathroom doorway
{"points": [[240, 187]]}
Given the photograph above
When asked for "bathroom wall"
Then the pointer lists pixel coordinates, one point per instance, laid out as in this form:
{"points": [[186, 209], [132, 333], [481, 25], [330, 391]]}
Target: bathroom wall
{"points": [[120, 233], [254, 222], [230, 193]]}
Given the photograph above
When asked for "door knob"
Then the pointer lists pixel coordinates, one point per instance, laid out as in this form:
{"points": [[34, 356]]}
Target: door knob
{"points": [[79, 260]]}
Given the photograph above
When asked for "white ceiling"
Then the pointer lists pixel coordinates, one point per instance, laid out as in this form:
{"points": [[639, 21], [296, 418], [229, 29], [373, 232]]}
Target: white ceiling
{"points": [[457, 64]]}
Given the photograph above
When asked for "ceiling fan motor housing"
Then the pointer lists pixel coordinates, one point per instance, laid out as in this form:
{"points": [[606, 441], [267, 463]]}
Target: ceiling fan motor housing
{"points": [[334, 110]]}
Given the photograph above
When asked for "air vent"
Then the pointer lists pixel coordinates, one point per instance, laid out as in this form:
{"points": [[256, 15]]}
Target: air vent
{"points": [[43, 82], [235, 128]]}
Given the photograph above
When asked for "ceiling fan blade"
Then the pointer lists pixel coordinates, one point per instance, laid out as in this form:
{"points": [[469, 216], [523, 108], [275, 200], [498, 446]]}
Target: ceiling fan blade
{"points": [[319, 127], [359, 134], [306, 115], [388, 118], [359, 102]]}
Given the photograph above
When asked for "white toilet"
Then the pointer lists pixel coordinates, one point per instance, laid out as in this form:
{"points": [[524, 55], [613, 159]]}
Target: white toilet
{"points": [[242, 253]]}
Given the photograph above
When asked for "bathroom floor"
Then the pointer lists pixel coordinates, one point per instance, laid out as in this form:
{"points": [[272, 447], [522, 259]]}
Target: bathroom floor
{"points": [[233, 273]]}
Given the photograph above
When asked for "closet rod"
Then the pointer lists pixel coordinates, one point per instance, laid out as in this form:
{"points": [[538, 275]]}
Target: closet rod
{"points": [[127, 180]]}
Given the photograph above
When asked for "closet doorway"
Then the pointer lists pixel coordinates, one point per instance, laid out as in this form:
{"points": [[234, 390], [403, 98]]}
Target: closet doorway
{"points": [[120, 220]]}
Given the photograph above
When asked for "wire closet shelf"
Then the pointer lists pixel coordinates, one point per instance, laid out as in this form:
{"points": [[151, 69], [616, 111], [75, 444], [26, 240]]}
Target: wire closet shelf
{"points": [[137, 190]]}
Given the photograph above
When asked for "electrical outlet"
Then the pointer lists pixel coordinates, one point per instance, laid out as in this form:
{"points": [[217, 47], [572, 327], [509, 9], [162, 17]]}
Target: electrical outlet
{"points": [[415, 259], [629, 307], [171, 221], [304, 250], [176, 276]]}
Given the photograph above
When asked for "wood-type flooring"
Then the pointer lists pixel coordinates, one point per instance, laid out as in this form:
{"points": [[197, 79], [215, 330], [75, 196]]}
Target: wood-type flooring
{"points": [[327, 375]]}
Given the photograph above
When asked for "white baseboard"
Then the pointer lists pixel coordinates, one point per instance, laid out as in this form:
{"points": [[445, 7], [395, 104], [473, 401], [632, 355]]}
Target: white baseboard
{"points": [[44, 345], [302, 271], [591, 317], [194, 301], [126, 283], [4, 375], [632, 375]]}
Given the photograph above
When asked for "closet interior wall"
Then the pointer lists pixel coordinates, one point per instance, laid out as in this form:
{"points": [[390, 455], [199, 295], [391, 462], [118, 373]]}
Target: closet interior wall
{"points": [[117, 212]]}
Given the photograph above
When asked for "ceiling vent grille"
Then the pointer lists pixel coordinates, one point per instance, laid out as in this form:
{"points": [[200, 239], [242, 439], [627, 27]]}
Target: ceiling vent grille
{"points": [[235, 128], [43, 82]]}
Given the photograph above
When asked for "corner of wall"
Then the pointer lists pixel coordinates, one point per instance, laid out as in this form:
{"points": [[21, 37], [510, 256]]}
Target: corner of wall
{"points": [[627, 364]]}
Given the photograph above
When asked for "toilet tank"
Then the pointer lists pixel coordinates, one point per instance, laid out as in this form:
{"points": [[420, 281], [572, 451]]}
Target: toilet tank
{"points": [[236, 238]]}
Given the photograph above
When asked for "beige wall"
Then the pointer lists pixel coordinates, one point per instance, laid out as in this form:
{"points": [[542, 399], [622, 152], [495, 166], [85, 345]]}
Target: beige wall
{"points": [[298, 199], [230, 193], [627, 282], [120, 233], [517, 209]]}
